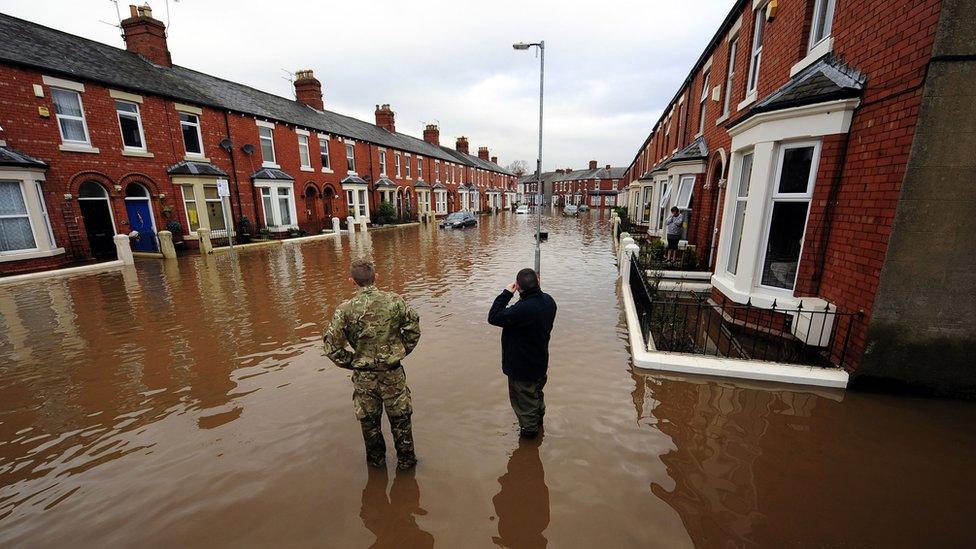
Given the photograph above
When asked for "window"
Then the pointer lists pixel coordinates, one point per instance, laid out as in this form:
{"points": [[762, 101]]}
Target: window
{"points": [[788, 215], [441, 201], [192, 137], [266, 135], [382, 162], [730, 77], [190, 206], [407, 165], [71, 116], [423, 201], [662, 212], [823, 20], [215, 208], [396, 163], [268, 202], [739, 212], [703, 104], [351, 157], [437, 171], [16, 233], [304, 157], [130, 123], [362, 203], [351, 202], [324, 153], [44, 215], [420, 168], [686, 188], [645, 216], [756, 58], [284, 205], [595, 200]]}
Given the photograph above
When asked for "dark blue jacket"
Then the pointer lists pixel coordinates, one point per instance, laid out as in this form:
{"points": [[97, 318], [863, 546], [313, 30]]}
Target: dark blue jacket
{"points": [[525, 332]]}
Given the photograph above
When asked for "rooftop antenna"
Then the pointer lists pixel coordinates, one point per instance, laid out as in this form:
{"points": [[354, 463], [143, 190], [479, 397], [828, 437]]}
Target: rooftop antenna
{"points": [[291, 80], [168, 21], [117, 14]]}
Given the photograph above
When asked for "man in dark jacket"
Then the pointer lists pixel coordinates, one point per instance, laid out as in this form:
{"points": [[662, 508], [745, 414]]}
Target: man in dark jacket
{"points": [[525, 346]]}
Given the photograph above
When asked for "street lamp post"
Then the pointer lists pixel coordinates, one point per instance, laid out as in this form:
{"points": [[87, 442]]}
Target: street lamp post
{"points": [[538, 165]]}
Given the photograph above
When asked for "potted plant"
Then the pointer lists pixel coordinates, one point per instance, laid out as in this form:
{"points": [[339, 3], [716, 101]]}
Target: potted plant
{"points": [[244, 229], [177, 230]]}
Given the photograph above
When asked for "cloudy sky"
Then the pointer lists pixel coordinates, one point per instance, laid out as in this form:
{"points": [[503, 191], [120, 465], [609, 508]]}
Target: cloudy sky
{"points": [[611, 66]]}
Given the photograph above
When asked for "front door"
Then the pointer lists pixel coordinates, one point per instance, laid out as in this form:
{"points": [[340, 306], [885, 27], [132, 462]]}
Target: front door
{"points": [[98, 226], [312, 212], [140, 219]]}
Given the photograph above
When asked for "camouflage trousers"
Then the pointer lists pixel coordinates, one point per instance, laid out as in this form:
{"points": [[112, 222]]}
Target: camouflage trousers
{"points": [[372, 392]]}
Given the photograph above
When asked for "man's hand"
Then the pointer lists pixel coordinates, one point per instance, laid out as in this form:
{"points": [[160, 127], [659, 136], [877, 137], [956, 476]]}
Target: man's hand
{"points": [[513, 287]]}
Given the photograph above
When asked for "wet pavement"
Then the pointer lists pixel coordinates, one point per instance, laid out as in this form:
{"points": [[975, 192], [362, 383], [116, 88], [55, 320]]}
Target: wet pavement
{"points": [[188, 403]]}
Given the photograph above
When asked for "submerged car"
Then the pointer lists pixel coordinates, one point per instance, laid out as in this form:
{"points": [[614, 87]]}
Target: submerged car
{"points": [[583, 208], [570, 209], [459, 220], [523, 209]]}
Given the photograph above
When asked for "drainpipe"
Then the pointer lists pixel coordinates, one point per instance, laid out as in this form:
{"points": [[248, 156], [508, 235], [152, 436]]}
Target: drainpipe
{"points": [[233, 166], [829, 211]]}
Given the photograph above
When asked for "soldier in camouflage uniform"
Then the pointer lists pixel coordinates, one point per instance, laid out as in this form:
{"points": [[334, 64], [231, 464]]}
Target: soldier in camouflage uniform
{"points": [[370, 334]]}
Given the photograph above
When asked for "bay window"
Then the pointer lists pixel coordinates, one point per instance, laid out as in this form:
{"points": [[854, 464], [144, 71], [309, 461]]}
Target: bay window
{"points": [[203, 205], [789, 208], [304, 156], [71, 117], [25, 227], [192, 137], [739, 212], [662, 206], [440, 197], [357, 201], [16, 233], [646, 199], [130, 124], [278, 203]]}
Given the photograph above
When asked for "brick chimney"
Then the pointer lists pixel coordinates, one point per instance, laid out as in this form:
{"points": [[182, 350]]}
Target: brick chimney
{"points": [[461, 145], [308, 89], [592, 164], [608, 166], [432, 135], [146, 36], [483, 153], [385, 118], [494, 160]]}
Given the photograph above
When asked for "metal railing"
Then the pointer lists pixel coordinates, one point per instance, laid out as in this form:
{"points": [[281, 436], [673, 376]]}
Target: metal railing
{"points": [[694, 323]]}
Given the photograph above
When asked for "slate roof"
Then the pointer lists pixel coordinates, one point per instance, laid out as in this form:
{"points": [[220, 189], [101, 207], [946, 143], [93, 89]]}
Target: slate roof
{"points": [[188, 167], [58, 53], [271, 173], [421, 184], [13, 157], [353, 180], [825, 80], [384, 183], [439, 185], [696, 150]]}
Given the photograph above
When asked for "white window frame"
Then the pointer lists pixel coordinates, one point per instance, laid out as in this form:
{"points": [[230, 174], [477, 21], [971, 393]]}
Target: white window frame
{"points": [[273, 219], [437, 171], [440, 201], [690, 180], [703, 103], [382, 161], [350, 158], [663, 203], [138, 118], [396, 163], [755, 52], [357, 200], [325, 159], [266, 162], [197, 125], [84, 123], [407, 165], [420, 168], [26, 215], [822, 26], [730, 76], [743, 200], [304, 160], [776, 196]]}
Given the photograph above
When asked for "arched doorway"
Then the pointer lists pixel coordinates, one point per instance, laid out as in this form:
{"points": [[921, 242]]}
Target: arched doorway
{"points": [[328, 198], [97, 216], [399, 204], [141, 219], [313, 219], [714, 182]]}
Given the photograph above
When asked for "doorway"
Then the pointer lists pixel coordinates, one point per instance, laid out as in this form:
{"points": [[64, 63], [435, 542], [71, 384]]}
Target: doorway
{"points": [[141, 219], [97, 216], [328, 196], [312, 211]]}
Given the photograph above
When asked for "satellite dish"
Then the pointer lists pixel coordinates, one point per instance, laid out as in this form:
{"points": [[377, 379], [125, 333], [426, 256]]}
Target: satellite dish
{"points": [[226, 144], [248, 148]]}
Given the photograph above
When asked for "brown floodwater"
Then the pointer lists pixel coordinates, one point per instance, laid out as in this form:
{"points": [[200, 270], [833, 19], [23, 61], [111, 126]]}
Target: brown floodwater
{"points": [[188, 403]]}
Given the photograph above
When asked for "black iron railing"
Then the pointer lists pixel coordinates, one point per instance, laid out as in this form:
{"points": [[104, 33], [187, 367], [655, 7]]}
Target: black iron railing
{"points": [[694, 323]]}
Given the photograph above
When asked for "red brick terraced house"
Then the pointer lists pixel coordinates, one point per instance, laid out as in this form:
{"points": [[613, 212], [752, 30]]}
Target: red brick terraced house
{"points": [[97, 141], [596, 187], [810, 149]]}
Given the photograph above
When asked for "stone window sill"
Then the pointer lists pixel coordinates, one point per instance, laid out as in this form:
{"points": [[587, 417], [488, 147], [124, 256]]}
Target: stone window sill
{"points": [[79, 149], [823, 48], [749, 100], [140, 154], [30, 254]]}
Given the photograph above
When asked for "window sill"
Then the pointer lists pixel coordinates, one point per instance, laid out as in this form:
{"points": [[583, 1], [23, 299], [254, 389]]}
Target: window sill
{"points": [[699, 134], [140, 154], [270, 165], [824, 47], [30, 254], [79, 149], [281, 228], [327, 170], [306, 169], [723, 118], [749, 100], [352, 173], [196, 158], [214, 234]]}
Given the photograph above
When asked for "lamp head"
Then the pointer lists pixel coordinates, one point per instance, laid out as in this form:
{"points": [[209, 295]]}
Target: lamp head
{"points": [[521, 46]]}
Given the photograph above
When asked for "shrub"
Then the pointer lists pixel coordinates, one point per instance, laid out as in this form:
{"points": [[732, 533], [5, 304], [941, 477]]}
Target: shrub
{"points": [[244, 225], [175, 228], [689, 260], [386, 213]]}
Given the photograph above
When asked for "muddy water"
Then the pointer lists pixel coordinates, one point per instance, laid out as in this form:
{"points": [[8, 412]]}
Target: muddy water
{"points": [[188, 403]]}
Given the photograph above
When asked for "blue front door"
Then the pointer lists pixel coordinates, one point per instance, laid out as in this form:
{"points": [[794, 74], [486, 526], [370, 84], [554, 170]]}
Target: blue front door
{"points": [[141, 220]]}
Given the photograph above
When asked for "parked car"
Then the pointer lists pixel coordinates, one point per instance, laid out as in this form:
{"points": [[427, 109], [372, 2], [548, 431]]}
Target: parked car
{"points": [[523, 209], [583, 208], [570, 209], [459, 220]]}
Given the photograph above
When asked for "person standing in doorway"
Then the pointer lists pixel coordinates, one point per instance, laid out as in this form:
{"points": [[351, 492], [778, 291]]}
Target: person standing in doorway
{"points": [[674, 226], [370, 334], [526, 327]]}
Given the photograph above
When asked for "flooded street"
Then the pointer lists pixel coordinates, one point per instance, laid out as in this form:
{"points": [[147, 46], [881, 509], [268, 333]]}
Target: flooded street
{"points": [[189, 403]]}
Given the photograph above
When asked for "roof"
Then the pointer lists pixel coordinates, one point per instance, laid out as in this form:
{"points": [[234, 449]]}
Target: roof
{"points": [[421, 184], [439, 185], [384, 182], [353, 180], [29, 44], [188, 167], [696, 150], [271, 173], [825, 80], [13, 157], [475, 161]]}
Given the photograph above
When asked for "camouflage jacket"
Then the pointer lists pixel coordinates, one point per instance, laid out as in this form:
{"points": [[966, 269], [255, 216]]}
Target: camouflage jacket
{"points": [[379, 328]]}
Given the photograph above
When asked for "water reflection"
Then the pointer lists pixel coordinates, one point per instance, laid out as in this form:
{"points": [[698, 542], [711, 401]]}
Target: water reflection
{"points": [[392, 519], [522, 503]]}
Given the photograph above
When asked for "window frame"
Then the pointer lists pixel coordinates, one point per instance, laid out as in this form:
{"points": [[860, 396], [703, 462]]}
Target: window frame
{"points": [[350, 158], [305, 162], [27, 214], [119, 114], [730, 76], [739, 198], [325, 158], [199, 131], [397, 163], [756, 50], [382, 161], [703, 102], [58, 116], [776, 196], [273, 161], [818, 25]]}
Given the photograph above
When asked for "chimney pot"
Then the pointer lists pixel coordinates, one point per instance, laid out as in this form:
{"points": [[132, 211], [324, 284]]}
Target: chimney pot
{"points": [[608, 166], [483, 153], [593, 164], [461, 145], [432, 135], [494, 160], [146, 36], [308, 89], [386, 118]]}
